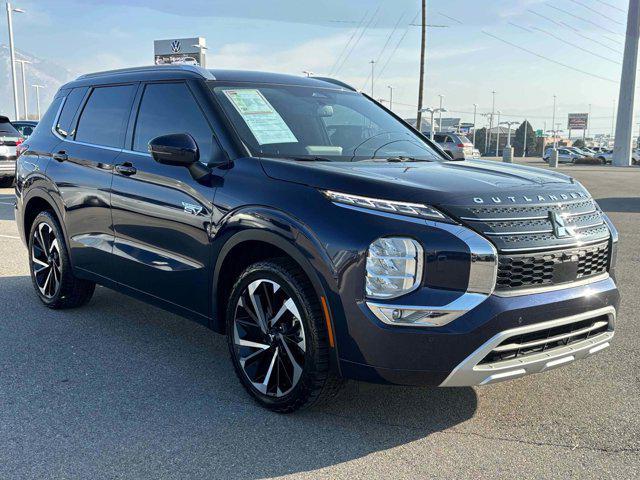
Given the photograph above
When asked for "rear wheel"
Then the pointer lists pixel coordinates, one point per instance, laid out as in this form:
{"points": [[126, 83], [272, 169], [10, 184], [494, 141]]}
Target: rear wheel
{"points": [[277, 337], [50, 267]]}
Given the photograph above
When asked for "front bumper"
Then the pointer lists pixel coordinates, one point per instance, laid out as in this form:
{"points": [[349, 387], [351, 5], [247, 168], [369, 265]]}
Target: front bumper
{"points": [[472, 372], [450, 355]]}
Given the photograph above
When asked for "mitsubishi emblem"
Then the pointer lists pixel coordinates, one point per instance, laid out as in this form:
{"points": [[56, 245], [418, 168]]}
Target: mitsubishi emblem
{"points": [[560, 229]]}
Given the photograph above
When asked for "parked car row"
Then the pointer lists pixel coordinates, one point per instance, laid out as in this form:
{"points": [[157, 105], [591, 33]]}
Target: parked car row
{"points": [[596, 155]]}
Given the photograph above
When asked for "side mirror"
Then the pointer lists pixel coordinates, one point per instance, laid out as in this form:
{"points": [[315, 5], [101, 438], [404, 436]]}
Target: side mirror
{"points": [[178, 149]]}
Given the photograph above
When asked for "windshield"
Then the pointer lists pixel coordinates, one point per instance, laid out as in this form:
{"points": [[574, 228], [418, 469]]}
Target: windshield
{"points": [[317, 123]]}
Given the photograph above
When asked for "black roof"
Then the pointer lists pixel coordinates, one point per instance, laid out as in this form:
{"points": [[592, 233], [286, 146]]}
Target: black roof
{"points": [[165, 72]]}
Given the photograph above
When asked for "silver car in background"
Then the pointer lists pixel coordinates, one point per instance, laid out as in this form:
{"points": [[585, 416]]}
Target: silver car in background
{"points": [[10, 138], [456, 145]]}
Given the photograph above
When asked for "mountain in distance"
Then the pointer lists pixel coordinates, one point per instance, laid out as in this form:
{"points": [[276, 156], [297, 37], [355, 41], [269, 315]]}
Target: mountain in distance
{"points": [[39, 72]]}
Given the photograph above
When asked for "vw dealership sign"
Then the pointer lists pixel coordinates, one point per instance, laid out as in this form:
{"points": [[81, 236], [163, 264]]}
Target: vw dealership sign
{"points": [[187, 51]]}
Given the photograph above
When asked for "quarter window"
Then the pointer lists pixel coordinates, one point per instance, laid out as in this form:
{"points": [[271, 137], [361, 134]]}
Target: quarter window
{"points": [[69, 110], [104, 118], [170, 108]]}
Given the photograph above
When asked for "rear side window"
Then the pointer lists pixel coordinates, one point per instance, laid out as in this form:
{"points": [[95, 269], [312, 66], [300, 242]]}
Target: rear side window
{"points": [[170, 108], [69, 110], [103, 120], [6, 129], [46, 122]]}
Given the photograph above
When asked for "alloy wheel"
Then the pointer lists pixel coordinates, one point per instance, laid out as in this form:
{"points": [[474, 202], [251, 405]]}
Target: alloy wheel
{"points": [[269, 338], [45, 260]]}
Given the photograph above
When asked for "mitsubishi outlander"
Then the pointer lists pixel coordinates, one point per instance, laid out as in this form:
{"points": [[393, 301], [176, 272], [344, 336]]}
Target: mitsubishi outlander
{"points": [[324, 236]]}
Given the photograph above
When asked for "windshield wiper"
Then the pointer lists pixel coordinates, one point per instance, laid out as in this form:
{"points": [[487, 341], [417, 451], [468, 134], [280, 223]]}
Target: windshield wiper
{"points": [[403, 158], [310, 159]]}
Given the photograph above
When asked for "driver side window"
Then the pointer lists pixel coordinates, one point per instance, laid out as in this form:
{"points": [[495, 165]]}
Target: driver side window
{"points": [[170, 108]]}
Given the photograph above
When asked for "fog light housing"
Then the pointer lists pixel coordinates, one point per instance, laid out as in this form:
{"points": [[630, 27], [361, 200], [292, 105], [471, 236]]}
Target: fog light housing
{"points": [[394, 267], [405, 315]]}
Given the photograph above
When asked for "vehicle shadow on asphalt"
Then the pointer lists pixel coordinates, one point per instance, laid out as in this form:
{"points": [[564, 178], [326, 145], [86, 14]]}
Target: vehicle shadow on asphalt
{"points": [[620, 204], [118, 386]]}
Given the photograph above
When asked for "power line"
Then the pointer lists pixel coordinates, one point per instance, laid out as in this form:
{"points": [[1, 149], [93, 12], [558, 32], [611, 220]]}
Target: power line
{"points": [[596, 12], [362, 32], [384, 47], [611, 6], [450, 18], [397, 45], [577, 46], [344, 49], [581, 18], [549, 59]]}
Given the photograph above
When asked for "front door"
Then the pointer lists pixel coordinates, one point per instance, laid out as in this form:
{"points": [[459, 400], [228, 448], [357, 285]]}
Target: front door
{"points": [[160, 213]]}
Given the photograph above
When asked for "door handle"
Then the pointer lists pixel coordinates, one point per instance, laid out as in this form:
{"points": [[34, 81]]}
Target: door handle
{"points": [[61, 156], [126, 169]]}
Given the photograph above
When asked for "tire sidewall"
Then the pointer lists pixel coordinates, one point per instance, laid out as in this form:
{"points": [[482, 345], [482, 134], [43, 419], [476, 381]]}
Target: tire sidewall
{"points": [[275, 272], [46, 217]]}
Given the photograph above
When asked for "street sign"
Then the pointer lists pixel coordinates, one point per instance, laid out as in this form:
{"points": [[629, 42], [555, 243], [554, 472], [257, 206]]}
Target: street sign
{"points": [[185, 51], [539, 133], [577, 121]]}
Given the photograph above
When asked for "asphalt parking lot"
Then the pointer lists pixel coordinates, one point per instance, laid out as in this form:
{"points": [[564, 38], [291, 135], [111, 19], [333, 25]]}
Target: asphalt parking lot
{"points": [[120, 389]]}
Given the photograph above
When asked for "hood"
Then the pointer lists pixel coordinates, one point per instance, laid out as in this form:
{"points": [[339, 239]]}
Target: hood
{"points": [[436, 183]]}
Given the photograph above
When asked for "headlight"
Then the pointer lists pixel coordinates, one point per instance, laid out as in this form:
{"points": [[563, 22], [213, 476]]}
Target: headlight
{"points": [[391, 206], [394, 267]]}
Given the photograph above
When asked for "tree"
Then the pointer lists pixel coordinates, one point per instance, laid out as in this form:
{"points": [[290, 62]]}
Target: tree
{"points": [[518, 140], [579, 143], [480, 139]]}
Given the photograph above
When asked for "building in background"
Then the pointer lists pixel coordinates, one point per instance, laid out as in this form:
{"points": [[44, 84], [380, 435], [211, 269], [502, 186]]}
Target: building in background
{"points": [[184, 51]]}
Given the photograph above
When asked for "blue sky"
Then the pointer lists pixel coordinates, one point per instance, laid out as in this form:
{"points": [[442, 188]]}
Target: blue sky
{"points": [[467, 54]]}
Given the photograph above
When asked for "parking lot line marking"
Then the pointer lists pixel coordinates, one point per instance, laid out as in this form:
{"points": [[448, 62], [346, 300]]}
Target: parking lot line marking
{"points": [[10, 236]]}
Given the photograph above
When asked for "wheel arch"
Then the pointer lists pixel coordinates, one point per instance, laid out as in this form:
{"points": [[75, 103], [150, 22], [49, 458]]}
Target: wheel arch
{"points": [[36, 201]]}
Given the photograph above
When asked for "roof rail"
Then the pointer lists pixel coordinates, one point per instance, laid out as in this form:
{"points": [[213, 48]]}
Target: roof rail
{"points": [[336, 82], [203, 72]]}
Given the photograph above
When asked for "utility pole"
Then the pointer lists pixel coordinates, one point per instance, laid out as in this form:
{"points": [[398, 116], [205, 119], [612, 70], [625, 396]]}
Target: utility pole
{"points": [[38, 87], [390, 97], [12, 50], [498, 134], [613, 121], [423, 46], [553, 120], [475, 110], [493, 112], [624, 132], [440, 114], [372, 62], [24, 88]]}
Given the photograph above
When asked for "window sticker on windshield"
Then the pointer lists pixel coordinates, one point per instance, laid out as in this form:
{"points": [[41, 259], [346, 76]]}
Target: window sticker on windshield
{"points": [[263, 120]]}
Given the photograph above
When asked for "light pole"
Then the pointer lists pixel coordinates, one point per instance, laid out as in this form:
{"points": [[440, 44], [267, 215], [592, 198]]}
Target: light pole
{"points": [[38, 87], [498, 134], [390, 97], [432, 111], [589, 123], [373, 63], [12, 50], [440, 110], [553, 120], [475, 110], [508, 124], [308, 73], [24, 88]]}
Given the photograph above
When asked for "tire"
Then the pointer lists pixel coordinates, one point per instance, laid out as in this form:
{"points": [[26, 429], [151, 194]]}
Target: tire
{"points": [[51, 272], [6, 182], [297, 337]]}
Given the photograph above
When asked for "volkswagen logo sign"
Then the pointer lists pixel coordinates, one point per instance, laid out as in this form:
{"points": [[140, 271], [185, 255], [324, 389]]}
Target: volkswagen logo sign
{"points": [[175, 46]]}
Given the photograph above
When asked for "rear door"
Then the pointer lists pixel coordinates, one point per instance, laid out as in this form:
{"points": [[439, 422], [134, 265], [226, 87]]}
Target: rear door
{"points": [[161, 215], [92, 127]]}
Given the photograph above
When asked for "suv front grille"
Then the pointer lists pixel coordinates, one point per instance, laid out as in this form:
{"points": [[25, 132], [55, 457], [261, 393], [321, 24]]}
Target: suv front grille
{"points": [[551, 268], [520, 346]]}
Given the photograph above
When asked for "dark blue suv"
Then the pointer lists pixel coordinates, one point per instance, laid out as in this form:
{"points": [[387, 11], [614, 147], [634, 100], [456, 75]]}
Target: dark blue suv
{"points": [[327, 238]]}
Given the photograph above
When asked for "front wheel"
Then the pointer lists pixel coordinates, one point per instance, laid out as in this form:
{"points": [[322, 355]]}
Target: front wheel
{"points": [[277, 337]]}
